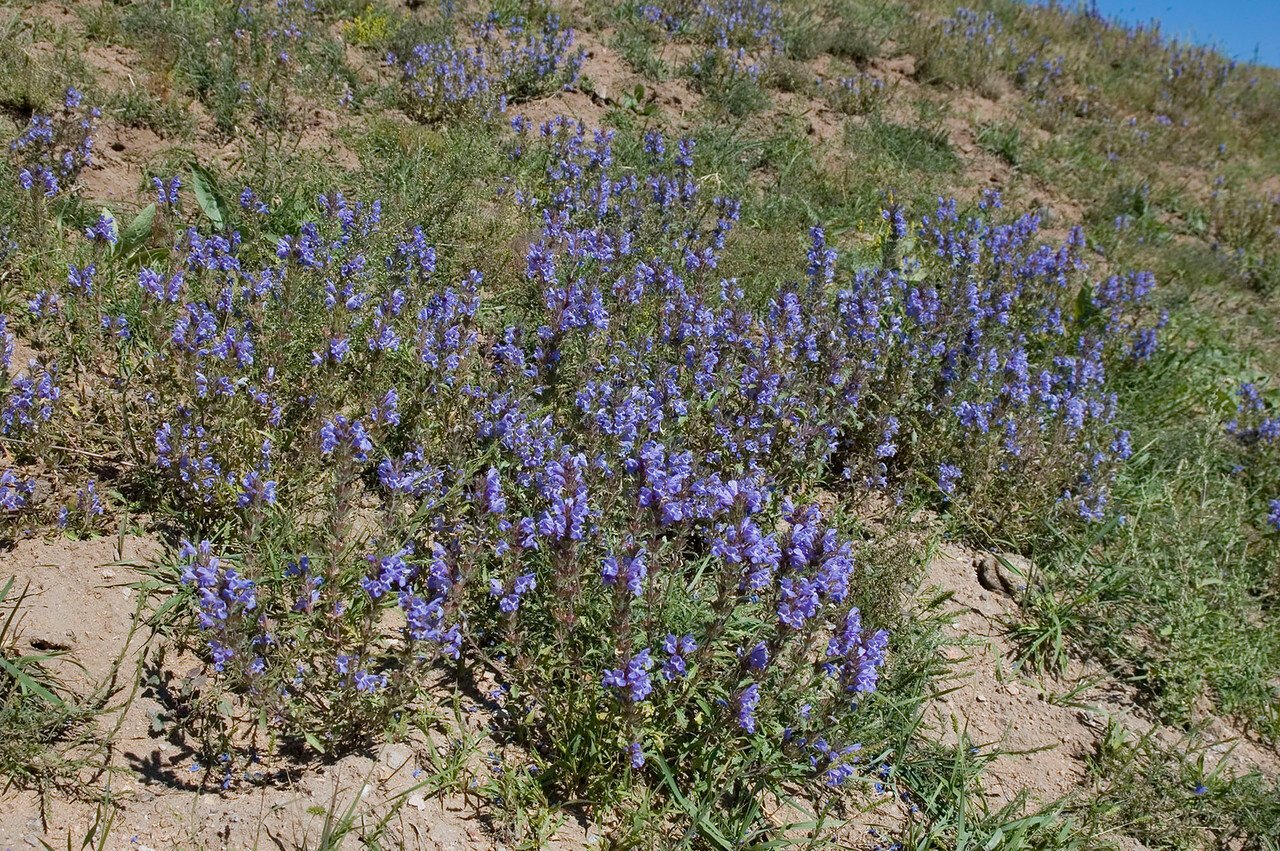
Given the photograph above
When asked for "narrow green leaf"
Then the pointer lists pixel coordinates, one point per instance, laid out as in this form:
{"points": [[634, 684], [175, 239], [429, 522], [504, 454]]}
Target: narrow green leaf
{"points": [[27, 683], [706, 828], [314, 742]]}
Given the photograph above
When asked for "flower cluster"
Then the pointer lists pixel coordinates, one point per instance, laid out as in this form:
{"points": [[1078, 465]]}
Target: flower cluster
{"points": [[52, 151], [859, 94], [740, 37], [493, 66], [225, 600], [15, 491], [726, 24]]}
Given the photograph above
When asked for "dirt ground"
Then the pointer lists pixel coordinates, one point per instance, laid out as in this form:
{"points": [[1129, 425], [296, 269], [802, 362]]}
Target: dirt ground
{"points": [[80, 601]]}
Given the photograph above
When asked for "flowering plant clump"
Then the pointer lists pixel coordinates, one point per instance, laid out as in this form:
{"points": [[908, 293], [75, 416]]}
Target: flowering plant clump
{"points": [[740, 37], [749, 24], [391, 473], [247, 61], [53, 149], [859, 94], [493, 66], [29, 400]]}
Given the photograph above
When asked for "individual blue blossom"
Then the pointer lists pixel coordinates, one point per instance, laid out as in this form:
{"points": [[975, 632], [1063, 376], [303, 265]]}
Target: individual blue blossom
{"points": [[677, 648]]}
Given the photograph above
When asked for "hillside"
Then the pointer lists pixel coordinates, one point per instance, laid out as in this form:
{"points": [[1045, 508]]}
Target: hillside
{"points": [[673, 424]]}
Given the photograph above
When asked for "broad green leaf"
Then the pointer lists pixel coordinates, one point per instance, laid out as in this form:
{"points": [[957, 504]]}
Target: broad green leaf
{"points": [[138, 231], [204, 187]]}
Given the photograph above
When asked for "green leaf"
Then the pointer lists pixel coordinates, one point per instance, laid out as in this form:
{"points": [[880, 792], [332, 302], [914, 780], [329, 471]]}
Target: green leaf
{"points": [[204, 186], [138, 231], [27, 683], [705, 827], [1085, 311], [314, 742]]}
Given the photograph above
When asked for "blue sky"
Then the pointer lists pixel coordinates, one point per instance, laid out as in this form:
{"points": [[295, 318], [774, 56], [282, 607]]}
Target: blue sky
{"points": [[1235, 26]]}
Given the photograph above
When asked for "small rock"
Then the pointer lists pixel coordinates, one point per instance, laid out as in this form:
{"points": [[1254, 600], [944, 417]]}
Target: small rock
{"points": [[981, 698], [394, 758], [41, 492], [1001, 573]]}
